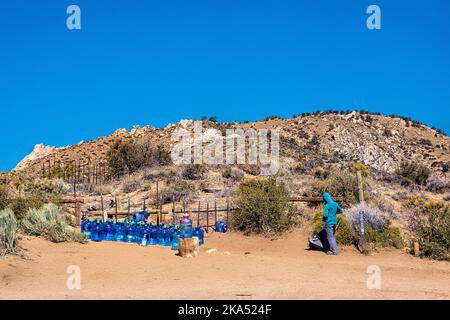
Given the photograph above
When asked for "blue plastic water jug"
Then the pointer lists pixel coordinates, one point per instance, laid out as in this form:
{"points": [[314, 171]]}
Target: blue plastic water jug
{"points": [[97, 231], [186, 230], [120, 232], [175, 240], [109, 231]]}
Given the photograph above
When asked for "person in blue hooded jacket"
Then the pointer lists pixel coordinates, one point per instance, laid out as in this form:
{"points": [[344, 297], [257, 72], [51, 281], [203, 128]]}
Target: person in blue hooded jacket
{"points": [[331, 209]]}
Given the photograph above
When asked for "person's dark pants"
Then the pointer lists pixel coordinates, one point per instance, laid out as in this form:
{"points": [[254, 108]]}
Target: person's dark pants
{"points": [[331, 245]]}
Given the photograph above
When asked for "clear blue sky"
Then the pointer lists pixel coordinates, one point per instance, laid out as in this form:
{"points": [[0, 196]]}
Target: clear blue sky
{"points": [[156, 62]]}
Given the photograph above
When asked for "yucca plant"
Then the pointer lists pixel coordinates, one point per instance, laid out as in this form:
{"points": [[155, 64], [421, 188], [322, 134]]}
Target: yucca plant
{"points": [[9, 237]]}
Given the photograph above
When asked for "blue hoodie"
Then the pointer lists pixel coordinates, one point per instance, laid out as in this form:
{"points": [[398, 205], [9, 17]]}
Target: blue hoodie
{"points": [[330, 210]]}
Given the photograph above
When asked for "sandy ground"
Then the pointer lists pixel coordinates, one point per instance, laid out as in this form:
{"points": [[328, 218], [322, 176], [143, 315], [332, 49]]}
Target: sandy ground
{"points": [[241, 268]]}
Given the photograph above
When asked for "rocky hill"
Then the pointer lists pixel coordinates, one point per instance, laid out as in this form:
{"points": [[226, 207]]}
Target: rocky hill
{"points": [[380, 142]]}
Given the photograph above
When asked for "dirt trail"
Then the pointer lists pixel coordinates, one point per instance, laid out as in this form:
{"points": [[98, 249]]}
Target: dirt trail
{"points": [[241, 268]]}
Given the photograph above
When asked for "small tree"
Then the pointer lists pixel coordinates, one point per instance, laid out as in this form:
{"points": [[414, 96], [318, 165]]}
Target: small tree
{"points": [[263, 207], [124, 157]]}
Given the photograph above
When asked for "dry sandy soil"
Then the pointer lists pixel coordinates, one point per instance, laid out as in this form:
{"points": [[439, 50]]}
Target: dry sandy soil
{"points": [[241, 268]]}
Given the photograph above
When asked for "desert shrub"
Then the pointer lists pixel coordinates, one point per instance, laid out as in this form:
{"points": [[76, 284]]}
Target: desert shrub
{"points": [[161, 156], [179, 190], [124, 157], [437, 185], [415, 172], [20, 206], [429, 221], [308, 165], [377, 225], [445, 167], [400, 196], [158, 174], [361, 167], [320, 172], [388, 237], [47, 188], [425, 142], [99, 189], [50, 224], [263, 207], [345, 235], [9, 236], [373, 217], [130, 184], [193, 172], [341, 183], [233, 174], [4, 196], [252, 169]]}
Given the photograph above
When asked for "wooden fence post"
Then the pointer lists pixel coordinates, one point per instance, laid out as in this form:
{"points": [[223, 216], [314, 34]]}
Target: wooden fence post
{"points": [[198, 214], [215, 212], [207, 216], [228, 208], [360, 186], [115, 208]]}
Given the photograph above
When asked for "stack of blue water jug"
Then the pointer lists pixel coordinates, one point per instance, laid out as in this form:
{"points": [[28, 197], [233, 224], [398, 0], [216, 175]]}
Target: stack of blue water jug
{"points": [[142, 233]]}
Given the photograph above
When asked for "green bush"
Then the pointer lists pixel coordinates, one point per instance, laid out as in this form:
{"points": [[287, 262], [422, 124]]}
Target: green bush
{"points": [[233, 174], [9, 236], [47, 189], [161, 156], [429, 221], [50, 224], [194, 172], [341, 183], [414, 172], [130, 184], [263, 207], [20, 206], [181, 189], [345, 235], [124, 157], [4, 196], [389, 237]]}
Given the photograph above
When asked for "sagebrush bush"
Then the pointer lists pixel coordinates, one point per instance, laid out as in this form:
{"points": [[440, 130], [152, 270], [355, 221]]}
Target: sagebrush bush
{"points": [[4, 196], [194, 172], [429, 222], [373, 217], [263, 207], [9, 236], [414, 172], [341, 183], [50, 224], [47, 189], [233, 174], [181, 189], [437, 185], [20, 206], [131, 184], [377, 225]]}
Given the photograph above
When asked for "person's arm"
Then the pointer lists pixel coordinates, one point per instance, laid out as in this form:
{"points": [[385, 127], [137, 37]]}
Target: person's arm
{"points": [[325, 213], [339, 209]]}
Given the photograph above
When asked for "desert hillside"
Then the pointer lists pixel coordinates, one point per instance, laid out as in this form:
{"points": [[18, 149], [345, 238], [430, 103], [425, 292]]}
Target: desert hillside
{"points": [[379, 142]]}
